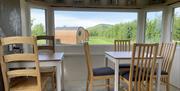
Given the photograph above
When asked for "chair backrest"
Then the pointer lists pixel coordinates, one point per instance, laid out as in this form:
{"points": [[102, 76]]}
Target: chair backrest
{"points": [[7, 59], [167, 51], [142, 66], [122, 45], [88, 59], [49, 46]]}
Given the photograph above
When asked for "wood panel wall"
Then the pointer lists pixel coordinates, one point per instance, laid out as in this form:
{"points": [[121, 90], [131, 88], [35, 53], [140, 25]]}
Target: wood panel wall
{"points": [[10, 22]]}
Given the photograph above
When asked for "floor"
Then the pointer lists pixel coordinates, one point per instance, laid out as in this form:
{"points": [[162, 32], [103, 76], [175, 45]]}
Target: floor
{"points": [[80, 86]]}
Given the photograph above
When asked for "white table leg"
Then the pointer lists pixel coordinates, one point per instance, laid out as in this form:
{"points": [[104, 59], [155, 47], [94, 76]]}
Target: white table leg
{"points": [[116, 75], [58, 76], [158, 80], [106, 62], [62, 78]]}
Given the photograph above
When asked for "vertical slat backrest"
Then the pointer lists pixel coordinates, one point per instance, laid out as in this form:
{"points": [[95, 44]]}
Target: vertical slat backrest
{"points": [[143, 58], [19, 57], [167, 52], [88, 59], [51, 43], [121, 45]]}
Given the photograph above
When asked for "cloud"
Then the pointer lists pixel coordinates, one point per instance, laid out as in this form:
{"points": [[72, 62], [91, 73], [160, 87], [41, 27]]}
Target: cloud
{"points": [[83, 19], [61, 20], [38, 17]]}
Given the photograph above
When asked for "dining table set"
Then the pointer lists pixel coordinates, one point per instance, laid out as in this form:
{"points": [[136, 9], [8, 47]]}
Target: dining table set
{"points": [[147, 64]]}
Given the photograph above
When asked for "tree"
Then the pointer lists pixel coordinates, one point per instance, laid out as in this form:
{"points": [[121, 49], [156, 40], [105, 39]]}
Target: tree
{"points": [[153, 30], [176, 31], [38, 29]]}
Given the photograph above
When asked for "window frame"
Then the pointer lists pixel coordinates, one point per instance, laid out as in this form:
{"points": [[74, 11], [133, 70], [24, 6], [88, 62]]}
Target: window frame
{"points": [[172, 29], [97, 10], [161, 33], [32, 6]]}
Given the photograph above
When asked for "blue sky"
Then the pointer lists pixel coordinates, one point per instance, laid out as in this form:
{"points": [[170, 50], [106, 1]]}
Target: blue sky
{"points": [[38, 16], [88, 19]]}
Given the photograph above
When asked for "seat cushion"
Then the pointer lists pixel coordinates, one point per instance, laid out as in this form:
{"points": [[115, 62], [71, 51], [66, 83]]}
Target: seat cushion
{"points": [[125, 74], [162, 72], [124, 65], [103, 71], [28, 84]]}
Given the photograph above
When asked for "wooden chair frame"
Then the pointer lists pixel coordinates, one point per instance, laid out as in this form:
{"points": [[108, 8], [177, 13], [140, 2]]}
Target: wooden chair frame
{"points": [[51, 43], [51, 72], [141, 76], [91, 77], [167, 51], [23, 57], [122, 45]]}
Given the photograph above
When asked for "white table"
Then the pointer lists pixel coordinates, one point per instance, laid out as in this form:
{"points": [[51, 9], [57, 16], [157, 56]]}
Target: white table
{"points": [[48, 59], [116, 57]]}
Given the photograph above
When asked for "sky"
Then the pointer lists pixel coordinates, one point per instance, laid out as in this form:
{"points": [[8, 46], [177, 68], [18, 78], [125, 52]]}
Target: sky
{"points": [[89, 19]]}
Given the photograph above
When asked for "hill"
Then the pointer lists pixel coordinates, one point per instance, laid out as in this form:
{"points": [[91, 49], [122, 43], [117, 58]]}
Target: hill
{"points": [[100, 27]]}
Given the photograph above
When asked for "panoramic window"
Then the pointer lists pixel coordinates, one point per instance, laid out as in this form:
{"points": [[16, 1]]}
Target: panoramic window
{"points": [[38, 23], [153, 27], [176, 26], [73, 27]]}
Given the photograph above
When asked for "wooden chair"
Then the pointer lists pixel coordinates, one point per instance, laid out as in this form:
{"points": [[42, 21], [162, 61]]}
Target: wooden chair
{"points": [[50, 45], [167, 51], [50, 71], [140, 77], [104, 73], [122, 45], [30, 78]]}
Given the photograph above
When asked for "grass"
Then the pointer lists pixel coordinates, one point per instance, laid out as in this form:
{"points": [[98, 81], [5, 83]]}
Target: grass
{"points": [[41, 42], [100, 40]]}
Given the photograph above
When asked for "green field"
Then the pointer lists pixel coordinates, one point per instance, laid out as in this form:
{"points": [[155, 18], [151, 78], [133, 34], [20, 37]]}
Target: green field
{"points": [[100, 40], [41, 42]]}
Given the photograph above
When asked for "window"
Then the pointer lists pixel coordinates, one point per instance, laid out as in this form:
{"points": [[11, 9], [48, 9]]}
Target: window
{"points": [[153, 27], [38, 23], [101, 27], [176, 26]]}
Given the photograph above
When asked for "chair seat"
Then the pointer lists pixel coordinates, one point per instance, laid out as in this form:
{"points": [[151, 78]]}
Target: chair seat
{"points": [[106, 71], [162, 73], [125, 74], [47, 69], [124, 65], [29, 84], [103, 71]]}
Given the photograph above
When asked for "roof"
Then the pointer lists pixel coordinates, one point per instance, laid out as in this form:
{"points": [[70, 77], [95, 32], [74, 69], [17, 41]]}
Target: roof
{"points": [[68, 28]]}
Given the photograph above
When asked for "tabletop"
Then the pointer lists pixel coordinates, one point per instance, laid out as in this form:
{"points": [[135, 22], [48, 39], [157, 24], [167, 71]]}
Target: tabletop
{"points": [[122, 54], [46, 56]]}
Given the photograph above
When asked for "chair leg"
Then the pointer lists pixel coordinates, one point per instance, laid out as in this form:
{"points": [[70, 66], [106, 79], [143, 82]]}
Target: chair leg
{"points": [[91, 85], [167, 83], [53, 82], [147, 86], [129, 87], [87, 84], [108, 84]]}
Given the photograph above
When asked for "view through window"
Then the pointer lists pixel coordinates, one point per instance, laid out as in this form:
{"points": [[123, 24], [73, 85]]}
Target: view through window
{"points": [[38, 23], [96, 27], [176, 26], [153, 27]]}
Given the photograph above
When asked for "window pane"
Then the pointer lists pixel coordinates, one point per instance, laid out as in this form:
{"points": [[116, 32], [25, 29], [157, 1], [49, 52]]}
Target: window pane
{"points": [[102, 27], [153, 27], [176, 26], [38, 23]]}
